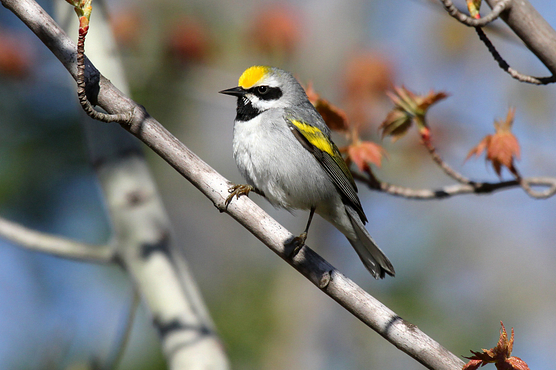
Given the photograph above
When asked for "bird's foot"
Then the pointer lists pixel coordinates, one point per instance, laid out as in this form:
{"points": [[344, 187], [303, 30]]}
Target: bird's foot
{"points": [[237, 191], [297, 243]]}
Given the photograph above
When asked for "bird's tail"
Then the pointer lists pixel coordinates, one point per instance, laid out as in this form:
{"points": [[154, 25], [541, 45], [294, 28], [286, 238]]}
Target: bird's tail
{"points": [[373, 258]]}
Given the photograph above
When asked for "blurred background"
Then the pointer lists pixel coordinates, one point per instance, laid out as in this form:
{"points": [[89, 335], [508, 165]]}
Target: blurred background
{"points": [[463, 264]]}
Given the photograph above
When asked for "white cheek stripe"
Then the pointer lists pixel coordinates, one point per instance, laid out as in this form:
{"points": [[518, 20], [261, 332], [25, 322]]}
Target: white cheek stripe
{"points": [[263, 105]]}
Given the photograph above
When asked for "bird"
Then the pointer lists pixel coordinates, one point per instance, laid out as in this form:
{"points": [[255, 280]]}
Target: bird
{"points": [[282, 148]]}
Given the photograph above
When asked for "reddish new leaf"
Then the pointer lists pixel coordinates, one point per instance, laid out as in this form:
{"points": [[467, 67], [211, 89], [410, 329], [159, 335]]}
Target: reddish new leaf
{"points": [[364, 153], [424, 102], [409, 108], [516, 363], [501, 147], [479, 148], [473, 365], [334, 117], [396, 124], [499, 355], [504, 346]]}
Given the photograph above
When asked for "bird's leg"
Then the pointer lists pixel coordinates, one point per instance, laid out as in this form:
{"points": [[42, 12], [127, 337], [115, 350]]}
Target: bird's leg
{"points": [[299, 241], [303, 235], [237, 191]]}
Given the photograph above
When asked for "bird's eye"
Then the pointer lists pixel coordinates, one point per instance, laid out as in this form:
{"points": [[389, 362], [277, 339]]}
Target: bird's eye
{"points": [[262, 90]]}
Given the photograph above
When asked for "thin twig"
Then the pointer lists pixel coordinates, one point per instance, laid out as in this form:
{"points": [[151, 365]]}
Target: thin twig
{"points": [[81, 88], [54, 245], [443, 165], [527, 185], [483, 21], [536, 33], [477, 188], [506, 67], [473, 22]]}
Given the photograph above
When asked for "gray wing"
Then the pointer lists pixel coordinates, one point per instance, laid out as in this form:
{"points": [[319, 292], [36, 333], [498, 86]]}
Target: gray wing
{"points": [[315, 137]]}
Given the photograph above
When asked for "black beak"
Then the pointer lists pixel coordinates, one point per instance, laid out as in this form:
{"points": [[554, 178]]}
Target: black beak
{"points": [[234, 91]]}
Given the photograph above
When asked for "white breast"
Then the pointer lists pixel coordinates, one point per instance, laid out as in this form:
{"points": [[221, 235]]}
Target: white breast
{"points": [[270, 158]]}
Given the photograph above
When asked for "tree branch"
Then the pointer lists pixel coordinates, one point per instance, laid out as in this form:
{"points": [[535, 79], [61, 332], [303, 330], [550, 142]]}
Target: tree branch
{"points": [[402, 334], [472, 187], [122, 118], [532, 29], [527, 24], [448, 170], [54, 245], [473, 22], [527, 185], [506, 67]]}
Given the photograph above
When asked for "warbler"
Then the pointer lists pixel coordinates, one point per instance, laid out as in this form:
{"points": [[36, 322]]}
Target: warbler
{"points": [[282, 148]]}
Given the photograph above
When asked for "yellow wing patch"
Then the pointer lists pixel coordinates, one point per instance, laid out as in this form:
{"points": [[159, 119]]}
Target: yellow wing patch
{"points": [[252, 75], [314, 136]]}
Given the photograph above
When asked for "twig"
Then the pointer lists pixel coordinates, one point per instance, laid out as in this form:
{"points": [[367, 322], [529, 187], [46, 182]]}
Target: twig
{"points": [[122, 118], [443, 165], [535, 32], [54, 245], [498, 8], [527, 185], [449, 191], [473, 22], [506, 67]]}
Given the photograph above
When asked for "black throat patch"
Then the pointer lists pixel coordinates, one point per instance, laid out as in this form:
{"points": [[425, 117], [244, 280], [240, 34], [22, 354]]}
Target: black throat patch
{"points": [[245, 110]]}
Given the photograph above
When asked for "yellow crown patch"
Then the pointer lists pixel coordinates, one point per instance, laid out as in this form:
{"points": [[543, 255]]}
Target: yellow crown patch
{"points": [[252, 75]]}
